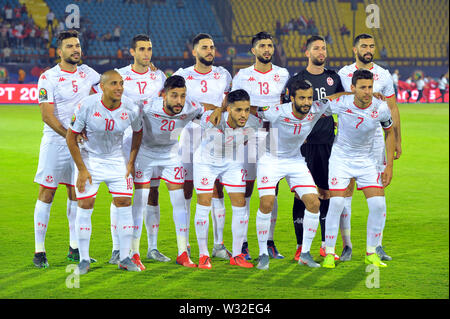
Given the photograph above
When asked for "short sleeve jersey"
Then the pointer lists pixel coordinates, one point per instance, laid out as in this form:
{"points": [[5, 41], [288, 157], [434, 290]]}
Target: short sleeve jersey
{"points": [[288, 132], [65, 90], [324, 84], [357, 126], [139, 86], [222, 142], [161, 130], [382, 79], [265, 89], [105, 127], [207, 87]]}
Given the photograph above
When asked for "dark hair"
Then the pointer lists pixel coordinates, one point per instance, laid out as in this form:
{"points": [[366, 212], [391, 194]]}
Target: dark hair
{"points": [[361, 36], [237, 95], [299, 84], [361, 75], [174, 81], [199, 37], [312, 39], [261, 36], [66, 35], [138, 37]]}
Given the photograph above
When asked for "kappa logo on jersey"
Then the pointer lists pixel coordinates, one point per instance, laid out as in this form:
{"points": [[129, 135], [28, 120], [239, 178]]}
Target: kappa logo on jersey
{"points": [[251, 78], [276, 78], [216, 75], [97, 114], [207, 118], [182, 117], [330, 81], [334, 181], [374, 114], [124, 116], [264, 179], [157, 115], [49, 179], [43, 94], [287, 120], [350, 75], [82, 74], [138, 174], [204, 181], [128, 78], [193, 104], [152, 76], [43, 77], [61, 79], [190, 77], [348, 111]]}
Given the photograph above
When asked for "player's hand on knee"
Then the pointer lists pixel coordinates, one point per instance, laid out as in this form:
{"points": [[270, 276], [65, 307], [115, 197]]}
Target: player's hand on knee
{"points": [[83, 176]]}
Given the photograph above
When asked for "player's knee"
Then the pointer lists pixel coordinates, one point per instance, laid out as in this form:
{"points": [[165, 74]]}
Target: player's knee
{"points": [[122, 201], [204, 199], [88, 203], [46, 195], [266, 204], [237, 199], [312, 203]]}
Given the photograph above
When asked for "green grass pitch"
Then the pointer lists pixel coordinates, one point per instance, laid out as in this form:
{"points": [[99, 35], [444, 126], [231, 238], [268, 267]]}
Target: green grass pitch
{"points": [[416, 233]]}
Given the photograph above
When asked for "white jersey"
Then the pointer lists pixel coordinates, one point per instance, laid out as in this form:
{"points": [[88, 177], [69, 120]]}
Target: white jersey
{"points": [[161, 130], [442, 83], [223, 143], [139, 86], [288, 132], [265, 89], [65, 90], [382, 79], [105, 127], [356, 126], [207, 87]]}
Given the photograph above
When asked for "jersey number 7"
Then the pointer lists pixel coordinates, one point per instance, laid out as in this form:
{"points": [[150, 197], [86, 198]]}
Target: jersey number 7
{"points": [[359, 123]]}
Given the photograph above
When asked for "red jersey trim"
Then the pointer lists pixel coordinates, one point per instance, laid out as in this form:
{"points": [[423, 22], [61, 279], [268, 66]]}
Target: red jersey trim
{"points": [[262, 72], [141, 183], [270, 187], [390, 96], [369, 187], [68, 71], [67, 184], [337, 189], [297, 117], [203, 73], [78, 198], [75, 131], [125, 194], [148, 69], [112, 109], [48, 187], [368, 69], [204, 189], [362, 108], [94, 89], [166, 180], [233, 185], [387, 128], [296, 186]]}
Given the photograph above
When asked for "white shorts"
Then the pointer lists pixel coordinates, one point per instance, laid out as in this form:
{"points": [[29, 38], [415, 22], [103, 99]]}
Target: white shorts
{"points": [[126, 146], [365, 172], [271, 170], [230, 174], [55, 166], [149, 171], [112, 173]]}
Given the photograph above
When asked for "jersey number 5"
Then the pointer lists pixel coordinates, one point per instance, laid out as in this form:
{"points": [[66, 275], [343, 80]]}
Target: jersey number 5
{"points": [[359, 123]]}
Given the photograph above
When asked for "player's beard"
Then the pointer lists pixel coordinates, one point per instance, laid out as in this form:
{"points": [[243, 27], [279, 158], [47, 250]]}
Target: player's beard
{"points": [[317, 62], [298, 108], [263, 59], [71, 60], [171, 108], [206, 62], [364, 59]]}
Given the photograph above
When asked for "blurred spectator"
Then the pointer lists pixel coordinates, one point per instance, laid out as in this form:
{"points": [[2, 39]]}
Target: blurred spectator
{"points": [[395, 78], [328, 38], [409, 88], [3, 35], [17, 13], [45, 37], [443, 86], [344, 30], [119, 56], [61, 27], [106, 37], [8, 13], [50, 17], [7, 51], [22, 75], [23, 10], [383, 52], [420, 83], [38, 36], [116, 33], [51, 54]]}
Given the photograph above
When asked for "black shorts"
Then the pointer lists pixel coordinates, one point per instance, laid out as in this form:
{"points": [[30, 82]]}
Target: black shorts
{"points": [[317, 156]]}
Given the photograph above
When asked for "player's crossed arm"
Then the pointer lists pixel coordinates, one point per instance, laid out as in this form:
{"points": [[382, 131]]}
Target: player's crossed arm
{"points": [[49, 118]]}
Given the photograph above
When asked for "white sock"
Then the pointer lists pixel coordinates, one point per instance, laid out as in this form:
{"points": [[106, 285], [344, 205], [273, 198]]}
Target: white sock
{"points": [[179, 218], [332, 223], [114, 232], [125, 230], [41, 217], [188, 210], [71, 217], [262, 231], [218, 217], [273, 218], [152, 217], [345, 222], [310, 223], [375, 221], [247, 211], [380, 241], [201, 228], [139, 203], [83, 227], [238, 224]]}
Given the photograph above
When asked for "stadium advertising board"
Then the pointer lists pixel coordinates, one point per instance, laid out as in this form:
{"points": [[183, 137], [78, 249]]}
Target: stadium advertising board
{"points": [[18, 94]]}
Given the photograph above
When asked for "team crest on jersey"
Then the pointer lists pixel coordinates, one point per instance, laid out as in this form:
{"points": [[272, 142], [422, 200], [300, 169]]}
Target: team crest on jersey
{"points": [[276, 78], [310, 117], [97, 114], [43, 94], [82, 74], [374, 114], [216, 75], [138, 174], [49, 179], [264, 179], [124, 116], [153, 76], [334, 181], [204, 181], [330, 81]]}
